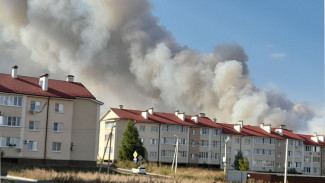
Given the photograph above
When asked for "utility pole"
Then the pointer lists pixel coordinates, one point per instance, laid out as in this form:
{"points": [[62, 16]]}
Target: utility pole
{"points": [[108, 139], [109, 150], [286, 162]]}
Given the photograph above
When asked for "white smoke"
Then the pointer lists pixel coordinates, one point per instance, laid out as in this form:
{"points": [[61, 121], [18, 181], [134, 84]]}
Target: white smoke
{"points": [[118, 50]]}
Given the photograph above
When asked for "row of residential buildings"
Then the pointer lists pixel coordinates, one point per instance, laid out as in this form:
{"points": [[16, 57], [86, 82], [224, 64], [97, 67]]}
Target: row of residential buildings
{"points": [[57, 122], [202, 141]]}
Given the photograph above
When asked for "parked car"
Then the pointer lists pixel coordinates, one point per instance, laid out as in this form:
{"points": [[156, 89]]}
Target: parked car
{"points": [[139, 170]]}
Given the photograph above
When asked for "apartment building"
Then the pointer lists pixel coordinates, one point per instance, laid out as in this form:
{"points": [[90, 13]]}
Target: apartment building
{"points": [[46, 121], [202, 141]]}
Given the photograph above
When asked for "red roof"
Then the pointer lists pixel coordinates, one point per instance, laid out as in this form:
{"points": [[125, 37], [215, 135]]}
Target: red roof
{"points": [[309, 141], [165, 118], [30, 86], [288, 134]]}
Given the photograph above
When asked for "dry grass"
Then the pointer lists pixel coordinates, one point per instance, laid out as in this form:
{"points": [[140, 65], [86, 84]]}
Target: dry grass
{"points": [[94, 177]]}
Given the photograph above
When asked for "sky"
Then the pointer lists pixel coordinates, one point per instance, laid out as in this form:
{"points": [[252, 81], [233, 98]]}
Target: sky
{"points": [[284, 39]]}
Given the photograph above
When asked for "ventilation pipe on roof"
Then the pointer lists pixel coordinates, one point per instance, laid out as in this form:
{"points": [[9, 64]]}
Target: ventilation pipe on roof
{"points": [[215, 120], [282, 126], [241, 123], [70, 78], [202, 114], [321, 138], [315, 138], [121, 106], [150, 110], [195, 118], [279, 131], [145, 114], [14, 71], [43, 81], [237, 127], [181, 115]]}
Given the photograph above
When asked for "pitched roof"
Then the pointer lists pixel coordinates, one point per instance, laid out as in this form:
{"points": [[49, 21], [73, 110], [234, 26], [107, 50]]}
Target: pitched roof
{"points": [[164, 118], [288, 134], [30, 86], [309, 141]]}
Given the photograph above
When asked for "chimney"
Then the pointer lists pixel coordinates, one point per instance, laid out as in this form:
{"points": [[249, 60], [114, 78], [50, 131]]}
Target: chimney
{"points": [[241, 123], [321, 138], [145, 114], [181, 115], [315, 138], [237, 127], [261, 125], [150, 110], [267, 128], [121, 106], [215, 120], [279, 131], [202, 114], [70, 78], [195, 118], [282, 126], [14, 71], [176, 112], [43, 81]]}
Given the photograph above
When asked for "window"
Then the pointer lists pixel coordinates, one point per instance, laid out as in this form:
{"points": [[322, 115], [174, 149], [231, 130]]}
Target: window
{"points": [[11, 101], [215, 155], [109, 150], [9, 142], [203, 155], [192, 156], [182, 154], [289, 153], [193, 143], [263, 163], [317, 149], [290, 142], [57, 127], [56, 146], [237, 140], [9, 121], [154, 141], [215, 132], [153, 154], [109, 125], [298, 164], [204, 131], [142, 128], [193, 132], [167, 153], [247, 152], [307, 159], [315, 170], [215, 144], [307, 148], [247, 141], [107, 137], [298, 143], [34, 125], [316, 159], [35, 106], [32, 145], [306, 169], [58, 108], [204, 143], [289, 164], [154, 129]]}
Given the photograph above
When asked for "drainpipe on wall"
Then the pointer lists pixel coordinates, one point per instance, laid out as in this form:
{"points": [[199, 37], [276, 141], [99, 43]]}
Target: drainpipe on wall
{"points": [[159, 144], [46, 128]]}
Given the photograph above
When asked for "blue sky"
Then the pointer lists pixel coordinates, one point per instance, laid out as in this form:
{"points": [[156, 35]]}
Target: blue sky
{"points": [[284, 39]]}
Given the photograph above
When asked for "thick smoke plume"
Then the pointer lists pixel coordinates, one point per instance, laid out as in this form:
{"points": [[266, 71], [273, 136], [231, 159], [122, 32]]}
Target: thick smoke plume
{"points": [[118, 50]]}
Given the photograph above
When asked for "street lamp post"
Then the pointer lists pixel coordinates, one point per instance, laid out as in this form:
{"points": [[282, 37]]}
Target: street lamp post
{"points": [[225, 158]]}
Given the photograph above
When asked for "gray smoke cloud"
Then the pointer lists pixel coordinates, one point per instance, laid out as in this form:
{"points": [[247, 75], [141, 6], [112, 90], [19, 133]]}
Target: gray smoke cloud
{"points": [[118, 50]]}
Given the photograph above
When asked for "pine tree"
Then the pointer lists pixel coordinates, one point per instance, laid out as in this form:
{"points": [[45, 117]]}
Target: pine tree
{"points": [[130, 143], [238, 156]]}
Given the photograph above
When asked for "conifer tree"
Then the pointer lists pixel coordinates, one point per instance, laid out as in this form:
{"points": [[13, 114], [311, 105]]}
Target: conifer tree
{"points": [[238, 156], [130, 143]]}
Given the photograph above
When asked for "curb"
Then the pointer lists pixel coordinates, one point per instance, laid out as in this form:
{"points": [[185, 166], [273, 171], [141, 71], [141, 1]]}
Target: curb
{"points": [[21, 178]]}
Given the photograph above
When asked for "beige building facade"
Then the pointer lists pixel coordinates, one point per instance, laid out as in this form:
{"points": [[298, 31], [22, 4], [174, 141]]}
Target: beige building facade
{"points": [[44, 121]]}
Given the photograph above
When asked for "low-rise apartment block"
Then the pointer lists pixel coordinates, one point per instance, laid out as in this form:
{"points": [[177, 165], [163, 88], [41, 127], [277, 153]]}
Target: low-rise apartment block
{"points": [[202, 141], [45, 121]]}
